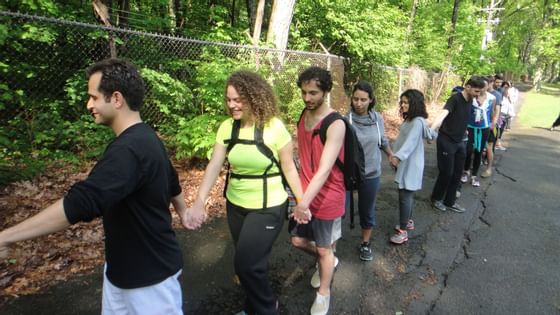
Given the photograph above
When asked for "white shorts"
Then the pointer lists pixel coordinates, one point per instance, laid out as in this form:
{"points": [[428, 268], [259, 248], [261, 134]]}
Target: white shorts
{"points": [[161, 298]]}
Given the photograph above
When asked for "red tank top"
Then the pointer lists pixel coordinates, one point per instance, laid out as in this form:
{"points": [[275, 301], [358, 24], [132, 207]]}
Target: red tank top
{"points": [[329, 202]]}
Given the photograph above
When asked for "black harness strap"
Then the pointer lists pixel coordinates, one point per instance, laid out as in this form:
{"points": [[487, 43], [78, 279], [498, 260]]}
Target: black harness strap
{"points": [[263, 148]]}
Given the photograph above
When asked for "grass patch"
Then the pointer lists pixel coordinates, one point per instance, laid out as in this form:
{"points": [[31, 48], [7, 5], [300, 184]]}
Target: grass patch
{"points": [[540, 109]]}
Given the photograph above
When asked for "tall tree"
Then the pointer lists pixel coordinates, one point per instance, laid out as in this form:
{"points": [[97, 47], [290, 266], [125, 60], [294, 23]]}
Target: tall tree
{"points": [[258, 22], [280, 20], [454, 17]]}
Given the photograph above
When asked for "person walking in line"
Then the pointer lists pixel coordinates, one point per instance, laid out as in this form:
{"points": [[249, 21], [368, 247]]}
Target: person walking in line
{"points": [[494, 87], [478, 128], [323, 183], [256, 199], [131, 187], [408, 159], [451, 151], [556, 123], [370, 130], [507, 112]]}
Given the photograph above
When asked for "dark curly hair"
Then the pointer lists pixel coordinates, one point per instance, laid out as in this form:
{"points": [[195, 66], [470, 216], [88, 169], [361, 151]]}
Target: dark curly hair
{"points": [[256, 93], [416, 104], [317, 74], [122, 76]]}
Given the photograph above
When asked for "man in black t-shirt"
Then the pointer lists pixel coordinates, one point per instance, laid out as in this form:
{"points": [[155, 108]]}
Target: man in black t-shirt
{"points": [[451, 150], [131, 187]]}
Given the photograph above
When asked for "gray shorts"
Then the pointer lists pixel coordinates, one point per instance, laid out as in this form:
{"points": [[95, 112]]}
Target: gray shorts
{"points": [[323, 232]]}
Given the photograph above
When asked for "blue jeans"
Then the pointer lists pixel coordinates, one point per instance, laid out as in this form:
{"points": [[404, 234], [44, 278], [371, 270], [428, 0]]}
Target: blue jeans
{"points": [[367, 197]]}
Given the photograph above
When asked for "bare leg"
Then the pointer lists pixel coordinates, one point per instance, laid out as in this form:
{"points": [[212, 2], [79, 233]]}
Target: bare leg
{"points": [[366, 235], [326, 269]]}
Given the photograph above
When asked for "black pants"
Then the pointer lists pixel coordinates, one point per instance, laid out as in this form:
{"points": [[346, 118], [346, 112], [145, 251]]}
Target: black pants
{"points": [[254, 232], [556, 123], [475, 155], [450, 160]]}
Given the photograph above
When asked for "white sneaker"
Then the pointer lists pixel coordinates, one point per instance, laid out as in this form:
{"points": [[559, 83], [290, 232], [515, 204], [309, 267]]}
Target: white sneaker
{"points": [[315, 279], [320, 305]]}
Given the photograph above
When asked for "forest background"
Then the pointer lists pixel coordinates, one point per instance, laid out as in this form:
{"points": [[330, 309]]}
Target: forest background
{"points": [[41, 125]]}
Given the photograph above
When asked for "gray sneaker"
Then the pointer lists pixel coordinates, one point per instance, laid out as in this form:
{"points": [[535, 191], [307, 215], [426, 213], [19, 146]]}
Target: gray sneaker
{"points": [[438, 204], [457, 208], [366, 253]]}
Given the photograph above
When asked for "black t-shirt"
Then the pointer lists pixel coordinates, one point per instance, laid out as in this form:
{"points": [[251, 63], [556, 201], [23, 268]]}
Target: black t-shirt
{"points": [[131, 187], [455, 124]]}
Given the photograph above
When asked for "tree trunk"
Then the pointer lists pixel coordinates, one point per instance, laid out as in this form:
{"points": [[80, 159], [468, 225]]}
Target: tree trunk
{"points": [[122, 16], [179, 14], [172, 15], [412, 16], [454, 17], [232, 15], [258, 23], [102, 11], [251, 12], [279, 25]]}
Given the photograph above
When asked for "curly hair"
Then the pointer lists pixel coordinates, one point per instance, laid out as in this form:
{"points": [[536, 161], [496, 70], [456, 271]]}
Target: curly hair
{"points": [[321, 76], [255, 93], [416, 104]]}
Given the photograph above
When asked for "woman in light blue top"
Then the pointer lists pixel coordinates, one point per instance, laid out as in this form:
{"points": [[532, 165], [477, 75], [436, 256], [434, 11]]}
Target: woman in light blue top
{"points": [[408, 159], [370, 130]]}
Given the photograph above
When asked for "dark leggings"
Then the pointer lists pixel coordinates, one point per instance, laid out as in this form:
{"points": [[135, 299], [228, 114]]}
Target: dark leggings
{"points": [[556, 123], [450, 161], [254, 233], [406, 201], [477, 152]]}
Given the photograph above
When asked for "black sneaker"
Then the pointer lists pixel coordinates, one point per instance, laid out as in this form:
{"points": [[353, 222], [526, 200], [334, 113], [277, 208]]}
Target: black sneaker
{"points": [[365, 252], [456, 208]]}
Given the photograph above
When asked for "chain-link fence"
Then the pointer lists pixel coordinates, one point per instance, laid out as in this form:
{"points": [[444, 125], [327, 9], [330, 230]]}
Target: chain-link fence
{"points": [[44, 59]]}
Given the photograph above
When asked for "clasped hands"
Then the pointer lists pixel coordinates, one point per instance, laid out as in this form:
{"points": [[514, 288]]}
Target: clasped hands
{"points": [[301, 215]]}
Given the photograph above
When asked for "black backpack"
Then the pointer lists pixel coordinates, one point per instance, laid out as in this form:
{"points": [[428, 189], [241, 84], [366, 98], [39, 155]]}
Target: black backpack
{"points": [[263, 148], [353, 167]]}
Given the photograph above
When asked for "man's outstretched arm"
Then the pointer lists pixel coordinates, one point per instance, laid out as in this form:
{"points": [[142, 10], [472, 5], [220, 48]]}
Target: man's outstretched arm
{"points": [[51, 219]]}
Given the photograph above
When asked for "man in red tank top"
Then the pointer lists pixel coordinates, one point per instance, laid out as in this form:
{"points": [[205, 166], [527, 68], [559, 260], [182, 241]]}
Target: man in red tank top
{"points": [[321, 207]]}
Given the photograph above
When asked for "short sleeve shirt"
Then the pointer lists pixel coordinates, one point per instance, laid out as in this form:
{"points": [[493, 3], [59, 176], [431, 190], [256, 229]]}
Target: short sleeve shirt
{"points": [[246, 159]]}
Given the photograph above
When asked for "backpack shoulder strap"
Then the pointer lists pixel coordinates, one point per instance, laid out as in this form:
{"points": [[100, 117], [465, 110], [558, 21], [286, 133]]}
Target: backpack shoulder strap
{"points": [[322, 131], [325, 124], [262, 147], [234, 135]]}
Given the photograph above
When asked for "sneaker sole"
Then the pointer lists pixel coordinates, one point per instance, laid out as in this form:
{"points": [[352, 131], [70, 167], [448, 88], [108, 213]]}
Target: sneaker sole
{"points": [[396, 243], [456, 210]]}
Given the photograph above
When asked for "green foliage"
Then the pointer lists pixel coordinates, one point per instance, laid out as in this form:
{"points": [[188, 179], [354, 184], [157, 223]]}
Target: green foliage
{"points": [[171, 97], [196, 136]]}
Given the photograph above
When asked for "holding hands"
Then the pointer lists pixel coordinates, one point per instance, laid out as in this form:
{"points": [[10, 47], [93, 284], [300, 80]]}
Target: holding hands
{"points": [[394, 161], [194, 217], [302, 215]]}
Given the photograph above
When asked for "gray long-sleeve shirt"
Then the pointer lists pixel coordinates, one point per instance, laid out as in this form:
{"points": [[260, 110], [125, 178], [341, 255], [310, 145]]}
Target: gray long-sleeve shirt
{"points": [[370, 130], [409, 149]]}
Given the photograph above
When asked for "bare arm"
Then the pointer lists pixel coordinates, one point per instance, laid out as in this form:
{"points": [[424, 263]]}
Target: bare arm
{"points": [[439, 120], [333, 144], [290, 172], [210, 175], [51, 219]]}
